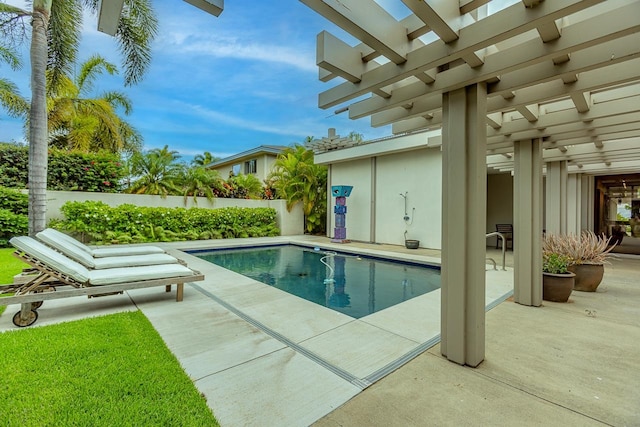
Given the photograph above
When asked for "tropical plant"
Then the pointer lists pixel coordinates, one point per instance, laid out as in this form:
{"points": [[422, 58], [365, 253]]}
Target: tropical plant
{"points": [[10, 98], [157, 172], [246, 186], [78, 121], [204, 159], [197, 181], [55, 37], [586, 248], [298, 179]]}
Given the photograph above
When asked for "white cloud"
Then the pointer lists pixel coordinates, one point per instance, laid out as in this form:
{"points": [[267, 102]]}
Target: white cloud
{"points": [[225, 46], [238, 122]]}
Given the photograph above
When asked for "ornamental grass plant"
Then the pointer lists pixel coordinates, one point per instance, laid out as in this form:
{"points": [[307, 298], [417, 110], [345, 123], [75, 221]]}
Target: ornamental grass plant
{"points": [[586, 248]]}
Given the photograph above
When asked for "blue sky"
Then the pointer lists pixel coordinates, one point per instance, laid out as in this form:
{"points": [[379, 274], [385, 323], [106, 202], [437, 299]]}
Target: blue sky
{"points": [[224, 84]]}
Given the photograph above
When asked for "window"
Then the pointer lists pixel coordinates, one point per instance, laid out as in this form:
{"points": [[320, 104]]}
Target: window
{"points": [[251, 166], [235, 169]]}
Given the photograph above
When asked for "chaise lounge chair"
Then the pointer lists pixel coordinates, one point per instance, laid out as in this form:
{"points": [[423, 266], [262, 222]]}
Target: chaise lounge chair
{"points": [[74, 279], [74, 250], [51, 234]]}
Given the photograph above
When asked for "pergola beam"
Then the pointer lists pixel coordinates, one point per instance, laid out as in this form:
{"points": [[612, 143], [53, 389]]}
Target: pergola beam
{"points": [[509, 22], [521, 58], [443, 17], [368, 22]]}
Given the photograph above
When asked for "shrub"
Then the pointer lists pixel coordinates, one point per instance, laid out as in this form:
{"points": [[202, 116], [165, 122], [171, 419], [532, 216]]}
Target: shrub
{"points": [[12, 224], [14, 201], [555, 263], [13, 215], [100, 223]]}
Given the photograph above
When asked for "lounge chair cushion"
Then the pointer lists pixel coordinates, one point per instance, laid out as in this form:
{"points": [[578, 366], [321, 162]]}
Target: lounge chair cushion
{"points": [[78, 272], [53, 259], [135, 274], [50, 235], [76, 253]]}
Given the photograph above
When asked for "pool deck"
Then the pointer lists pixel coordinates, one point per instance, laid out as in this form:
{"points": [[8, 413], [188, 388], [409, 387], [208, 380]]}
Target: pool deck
{"points": [[264, 357]]}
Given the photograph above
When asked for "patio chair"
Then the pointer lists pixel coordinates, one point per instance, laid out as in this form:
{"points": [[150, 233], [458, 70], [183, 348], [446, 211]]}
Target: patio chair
{"points": [[74, 251], [55, 271], [55, 235], [507, 231]]}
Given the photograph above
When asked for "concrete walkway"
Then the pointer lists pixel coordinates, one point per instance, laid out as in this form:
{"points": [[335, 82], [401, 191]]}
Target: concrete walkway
{"points": [[264, 357], [562, 364]]}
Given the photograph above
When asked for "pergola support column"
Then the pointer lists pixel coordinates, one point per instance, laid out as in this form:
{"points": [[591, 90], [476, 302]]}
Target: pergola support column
{"points": [[556, 198], [464, 178], [527, 230]]}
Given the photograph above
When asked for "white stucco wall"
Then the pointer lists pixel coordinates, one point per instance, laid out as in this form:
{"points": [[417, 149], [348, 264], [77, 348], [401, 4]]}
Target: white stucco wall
{"points": [[419, 174], [358, 220], [290, 223], [388, 173]]}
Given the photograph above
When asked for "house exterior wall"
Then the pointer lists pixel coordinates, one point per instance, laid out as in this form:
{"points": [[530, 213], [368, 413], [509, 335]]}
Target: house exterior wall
{"points": [[380, 218], [356, 173], [499, 202], [264, 162], [418, 174]]}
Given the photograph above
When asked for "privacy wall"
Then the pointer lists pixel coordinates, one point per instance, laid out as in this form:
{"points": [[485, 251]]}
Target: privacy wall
{"points": [[376, 207]]}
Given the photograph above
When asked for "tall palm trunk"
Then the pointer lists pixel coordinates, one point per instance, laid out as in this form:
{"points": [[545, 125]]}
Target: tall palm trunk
{"points": [[38, 150]]}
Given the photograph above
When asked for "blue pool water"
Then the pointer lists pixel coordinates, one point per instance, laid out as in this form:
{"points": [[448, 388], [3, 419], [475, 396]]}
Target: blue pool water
{"points": [[353, 285]]}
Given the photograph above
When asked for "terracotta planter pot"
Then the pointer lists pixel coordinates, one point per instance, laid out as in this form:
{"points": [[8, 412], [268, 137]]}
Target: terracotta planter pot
{"points": [[557, 287], [588, 276]]}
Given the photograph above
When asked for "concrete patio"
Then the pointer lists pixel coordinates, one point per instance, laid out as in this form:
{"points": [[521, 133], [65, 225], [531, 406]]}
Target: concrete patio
{"points": [[264, 357]]}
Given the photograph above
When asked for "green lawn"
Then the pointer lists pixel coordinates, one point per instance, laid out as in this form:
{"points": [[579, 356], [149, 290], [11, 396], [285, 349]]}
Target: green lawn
{"points": [[9, 267], [112, 370], [106, 371]]}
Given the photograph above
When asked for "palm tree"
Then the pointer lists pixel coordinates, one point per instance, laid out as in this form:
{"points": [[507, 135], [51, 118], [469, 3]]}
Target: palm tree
{"points": [[78, 122], [247, 185], [204, 159], [157, 172], [298, 179], [10, 98], [55, 37], [197, 181]]}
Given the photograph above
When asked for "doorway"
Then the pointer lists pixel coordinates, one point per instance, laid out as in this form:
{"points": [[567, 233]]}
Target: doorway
{"points": [[618, 210]]}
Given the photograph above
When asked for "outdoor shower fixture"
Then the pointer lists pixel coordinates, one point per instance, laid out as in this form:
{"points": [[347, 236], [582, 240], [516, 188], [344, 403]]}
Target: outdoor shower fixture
{"points": [[406, 217], [409, 243], [404, 196]]}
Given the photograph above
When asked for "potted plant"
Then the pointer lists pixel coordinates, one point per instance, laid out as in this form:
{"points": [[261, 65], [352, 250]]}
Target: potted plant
{"points": [[557, 280], [587, 253]]}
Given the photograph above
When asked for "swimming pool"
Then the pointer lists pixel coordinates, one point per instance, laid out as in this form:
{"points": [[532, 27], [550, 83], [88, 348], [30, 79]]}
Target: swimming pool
{"points": [[354, 285]]}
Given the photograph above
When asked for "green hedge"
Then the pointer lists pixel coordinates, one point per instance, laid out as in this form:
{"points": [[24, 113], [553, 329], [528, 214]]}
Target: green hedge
{"points": [[67, 171], [100, 223], [14, 201], [13, 215], [12, 224]]}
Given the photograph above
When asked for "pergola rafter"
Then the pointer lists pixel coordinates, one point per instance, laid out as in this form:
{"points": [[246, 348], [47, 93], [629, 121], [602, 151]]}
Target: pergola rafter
{"points": [[549, 66]]}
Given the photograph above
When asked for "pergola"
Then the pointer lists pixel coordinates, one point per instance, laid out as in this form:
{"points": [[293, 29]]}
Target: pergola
{"points": [[525, 86], [521, 86]]}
